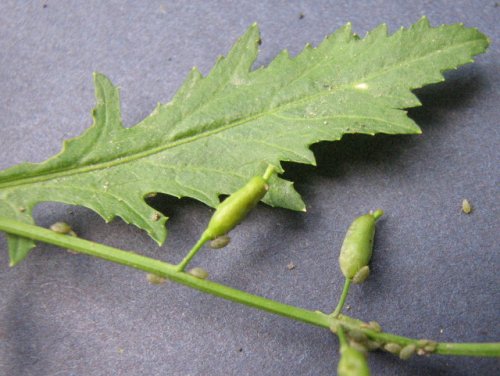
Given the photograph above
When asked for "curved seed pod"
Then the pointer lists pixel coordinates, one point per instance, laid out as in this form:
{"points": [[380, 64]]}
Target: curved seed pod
{"points": [[220, 242], [61, 228], [407, 351], [356, 250], [352, 363], [235, 208], [198, 273], [155, 279]]}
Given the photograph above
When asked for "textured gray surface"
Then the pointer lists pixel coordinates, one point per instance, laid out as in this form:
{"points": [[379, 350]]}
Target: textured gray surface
{"points": [[435, 270]]}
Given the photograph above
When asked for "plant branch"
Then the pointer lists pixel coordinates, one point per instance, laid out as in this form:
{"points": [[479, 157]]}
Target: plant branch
{"points": [[182, 265], [341, 335], [170, 271]]}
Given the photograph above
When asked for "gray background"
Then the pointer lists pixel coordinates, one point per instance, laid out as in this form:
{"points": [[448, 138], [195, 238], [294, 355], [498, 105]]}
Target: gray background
{"points": [[435, 270]]}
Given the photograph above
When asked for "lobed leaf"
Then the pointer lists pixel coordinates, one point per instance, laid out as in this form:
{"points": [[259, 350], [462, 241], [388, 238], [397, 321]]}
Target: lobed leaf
{"points": [[221, 129]]}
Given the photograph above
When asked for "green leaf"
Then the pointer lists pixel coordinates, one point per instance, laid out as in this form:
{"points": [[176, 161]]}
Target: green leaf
{"points": [[220, 130]]}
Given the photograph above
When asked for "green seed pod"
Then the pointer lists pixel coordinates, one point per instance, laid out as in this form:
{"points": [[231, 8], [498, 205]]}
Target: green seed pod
{"points": [[361, 275], [352, 363], [61, 228], [198, 273], [356, 250], [155, 279], [220, 242], [234, 209], [393, 348], [407, 351]]}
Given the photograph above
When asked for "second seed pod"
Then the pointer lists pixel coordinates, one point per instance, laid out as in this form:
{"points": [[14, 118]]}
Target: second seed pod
{"points": [[356, 250]]}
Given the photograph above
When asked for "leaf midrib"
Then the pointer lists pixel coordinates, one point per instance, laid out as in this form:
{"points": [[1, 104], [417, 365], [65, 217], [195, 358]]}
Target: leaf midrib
{"points": [[121, 160]]}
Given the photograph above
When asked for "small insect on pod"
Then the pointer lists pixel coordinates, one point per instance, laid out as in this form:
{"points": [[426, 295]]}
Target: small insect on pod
{"points": [[155, 279], [61, 228], [356, 250], [407, 351], [235, 208], [393, 348], [220, 242], [198, 273]]}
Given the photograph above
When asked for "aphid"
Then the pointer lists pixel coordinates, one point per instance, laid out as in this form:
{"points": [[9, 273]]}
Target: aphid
{"points": [[407, 351], [421, 352], [393, 348], [356, 250], [61, 228], [466, 206], [198, 273], [220, 242], [361, 275], [422, 342], [373, 325], [155, 216], [234, 209], [430, 347], [155, 279], [358, 346], [357, 335], [372, 345]]}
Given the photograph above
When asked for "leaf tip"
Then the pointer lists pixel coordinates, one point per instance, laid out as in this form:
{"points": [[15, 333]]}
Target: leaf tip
{"points": [[97, 76], [424, 21]]}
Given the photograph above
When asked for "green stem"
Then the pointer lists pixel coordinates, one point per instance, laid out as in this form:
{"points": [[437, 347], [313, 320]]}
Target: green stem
{"points": [[269, 171], [162, 269], [342, 299], [182, 265], [171, 272], [341, 335]]}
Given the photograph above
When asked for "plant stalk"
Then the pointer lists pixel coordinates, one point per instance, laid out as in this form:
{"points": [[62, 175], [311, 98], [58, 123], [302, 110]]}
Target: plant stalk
{"points": [[342, 299], [182, 265], [171, 272]]}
